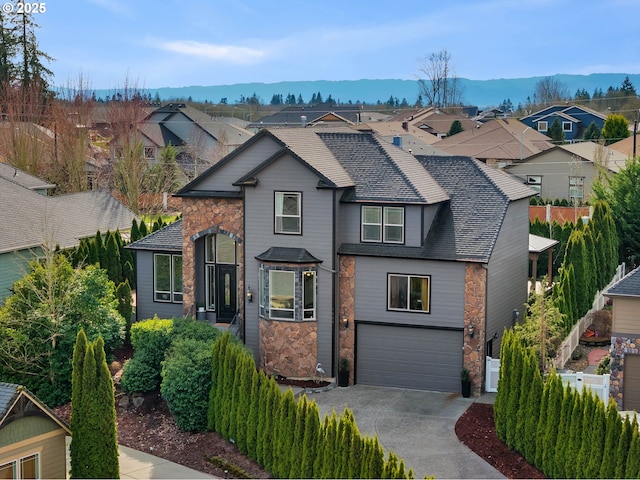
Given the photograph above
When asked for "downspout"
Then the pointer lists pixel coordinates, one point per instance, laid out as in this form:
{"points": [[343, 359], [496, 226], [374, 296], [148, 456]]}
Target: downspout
{"points": [[336, 296]]}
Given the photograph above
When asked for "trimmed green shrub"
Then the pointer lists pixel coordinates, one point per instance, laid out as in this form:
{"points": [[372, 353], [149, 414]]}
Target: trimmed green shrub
{"points": [[140, 373], [186, 382]]}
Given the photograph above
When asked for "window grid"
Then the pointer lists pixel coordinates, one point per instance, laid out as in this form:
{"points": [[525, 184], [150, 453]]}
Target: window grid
{"points": [[382, 224], [288, 213]]}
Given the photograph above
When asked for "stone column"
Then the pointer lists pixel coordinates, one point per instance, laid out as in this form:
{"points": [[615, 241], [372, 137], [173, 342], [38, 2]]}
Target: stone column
{"points": [[475, 301], [347, 310]]}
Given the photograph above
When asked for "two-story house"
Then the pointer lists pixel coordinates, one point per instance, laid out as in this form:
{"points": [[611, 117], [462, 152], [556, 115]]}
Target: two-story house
{"points": [[332, 243], [573, 118]]}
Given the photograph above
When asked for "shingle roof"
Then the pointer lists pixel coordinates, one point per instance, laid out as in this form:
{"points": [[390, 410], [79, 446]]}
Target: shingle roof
{"points": [[288, 255], [10, 393], [168, 238], [24, 179], [628, 286], [367, 159], [468, 226], [29, 219]]}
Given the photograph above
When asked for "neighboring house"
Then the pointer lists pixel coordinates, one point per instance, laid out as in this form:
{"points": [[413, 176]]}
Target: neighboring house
{"points": [[627, 146], [328, 244], [32, 437], [567, 171], [573, 118], [496, 142], [432, 121], [24, 179], [320, 113], [625, 341], [31, 222], [198, 138]]}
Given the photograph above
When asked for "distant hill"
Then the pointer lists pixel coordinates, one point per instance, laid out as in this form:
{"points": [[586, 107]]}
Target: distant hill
{"points": [[482, 93]]}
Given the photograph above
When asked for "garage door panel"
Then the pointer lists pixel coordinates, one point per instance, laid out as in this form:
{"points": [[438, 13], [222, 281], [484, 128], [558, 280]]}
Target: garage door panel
{"points": [[631, 382], [400, 356]]}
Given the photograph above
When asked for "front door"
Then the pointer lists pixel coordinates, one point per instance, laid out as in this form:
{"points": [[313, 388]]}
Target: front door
{"points": [[226, 292]]}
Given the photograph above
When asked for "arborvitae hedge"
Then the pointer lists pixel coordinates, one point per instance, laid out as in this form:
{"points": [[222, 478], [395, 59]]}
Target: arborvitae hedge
{"points": [[284, 435], [567, 434]]}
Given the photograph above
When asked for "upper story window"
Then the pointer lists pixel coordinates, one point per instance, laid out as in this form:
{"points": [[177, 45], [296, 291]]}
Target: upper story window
{"points": [[535, 182], [409, 292], [288, 212], [25, 467], [382, 224], [566, 126], [149, 153], [543, 126], [287, 293], [167, 277]]}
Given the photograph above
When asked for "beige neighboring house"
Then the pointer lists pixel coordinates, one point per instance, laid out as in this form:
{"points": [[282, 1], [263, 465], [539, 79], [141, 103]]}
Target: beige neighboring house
{"points": [[626, 146], [625, 342], [498, 142], [567, 171], [32, 437]]}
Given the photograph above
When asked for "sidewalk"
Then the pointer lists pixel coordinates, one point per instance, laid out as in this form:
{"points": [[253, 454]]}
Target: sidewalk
{"points": [[141, 465]]}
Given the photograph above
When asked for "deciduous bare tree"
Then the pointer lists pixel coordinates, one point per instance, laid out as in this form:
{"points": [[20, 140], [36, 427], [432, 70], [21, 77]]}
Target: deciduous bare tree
{"points": [[550, 90], [438, 81]]}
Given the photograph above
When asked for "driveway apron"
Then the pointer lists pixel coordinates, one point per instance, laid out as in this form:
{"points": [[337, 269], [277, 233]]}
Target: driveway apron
{"points": [[417, 425]]}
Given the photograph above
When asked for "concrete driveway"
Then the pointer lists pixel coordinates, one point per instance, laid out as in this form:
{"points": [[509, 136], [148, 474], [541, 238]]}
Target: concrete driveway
{"points": [[416, 425]]}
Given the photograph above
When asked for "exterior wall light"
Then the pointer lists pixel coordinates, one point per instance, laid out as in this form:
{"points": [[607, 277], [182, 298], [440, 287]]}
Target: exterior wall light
{"points": [[470, 330], [249, 294], [345, 321]]}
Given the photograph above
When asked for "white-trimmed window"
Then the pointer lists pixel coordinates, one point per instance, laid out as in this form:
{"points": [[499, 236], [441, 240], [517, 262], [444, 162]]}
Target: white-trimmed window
{"points": [[409, 292], [566, 126], [543, 126], [287, 293], [535, 182], [382, 224], [288, 212], [25, 467], [167, 277], [576, 189]]}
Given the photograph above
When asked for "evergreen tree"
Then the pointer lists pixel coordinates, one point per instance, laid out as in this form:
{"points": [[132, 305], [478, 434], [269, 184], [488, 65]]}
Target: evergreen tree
{"points": [[592, 132], [597, 439], [328, 463], [564, 432], [554, 410], [533, 408], [615, 128], [135, 232], [582, 459], [576, 255], [513, 402], [310, 443], [113, 263], [575, 436], [78, 450], [613, 432], [623, 447], [542, 424], [456, 127], [285, 435], [632, 467], [297, 452], [555, 132]]}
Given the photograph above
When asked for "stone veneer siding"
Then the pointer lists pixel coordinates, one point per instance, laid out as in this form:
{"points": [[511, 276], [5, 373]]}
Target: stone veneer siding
{"points": [[289, 348], [475, 300], [347, 309], [199, 214], [619, 347]]}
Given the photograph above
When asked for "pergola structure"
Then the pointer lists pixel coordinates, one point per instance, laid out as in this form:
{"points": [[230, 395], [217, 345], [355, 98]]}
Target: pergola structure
{"points": [[538, 245]]}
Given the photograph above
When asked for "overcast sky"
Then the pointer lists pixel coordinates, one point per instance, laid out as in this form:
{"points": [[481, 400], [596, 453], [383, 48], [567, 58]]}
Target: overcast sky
{"points": [[174, 43]]}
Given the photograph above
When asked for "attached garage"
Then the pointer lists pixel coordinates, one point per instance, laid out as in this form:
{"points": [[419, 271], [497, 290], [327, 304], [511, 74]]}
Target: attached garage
{"points": [[631, 382], [408, 357]]}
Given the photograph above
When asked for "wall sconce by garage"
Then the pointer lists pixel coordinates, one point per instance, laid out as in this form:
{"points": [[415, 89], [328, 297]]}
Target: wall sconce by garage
{"points": [[515, 316], [249, 294], [470, 330], [345, 321]]}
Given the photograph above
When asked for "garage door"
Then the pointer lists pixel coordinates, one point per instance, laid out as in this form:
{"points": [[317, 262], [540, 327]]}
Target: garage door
{"points": [[408, 357], [631, 383]]}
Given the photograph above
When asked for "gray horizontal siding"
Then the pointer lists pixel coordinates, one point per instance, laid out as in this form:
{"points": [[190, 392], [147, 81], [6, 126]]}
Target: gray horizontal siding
{"points": [[231, 171], [14, 266], [288, 174], [146, 307], [508, 271], [447, 291]]}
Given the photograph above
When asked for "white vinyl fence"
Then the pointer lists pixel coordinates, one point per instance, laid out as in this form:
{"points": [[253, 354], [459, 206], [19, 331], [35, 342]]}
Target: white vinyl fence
{"points": [[569, 344], [598, 384]]}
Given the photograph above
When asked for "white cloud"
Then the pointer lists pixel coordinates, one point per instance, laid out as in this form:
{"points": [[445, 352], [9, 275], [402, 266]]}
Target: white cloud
{"points": [[227, 53]]}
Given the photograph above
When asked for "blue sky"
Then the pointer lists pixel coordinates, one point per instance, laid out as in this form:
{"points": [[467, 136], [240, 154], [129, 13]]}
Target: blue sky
{"points": [[174, 43]]}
